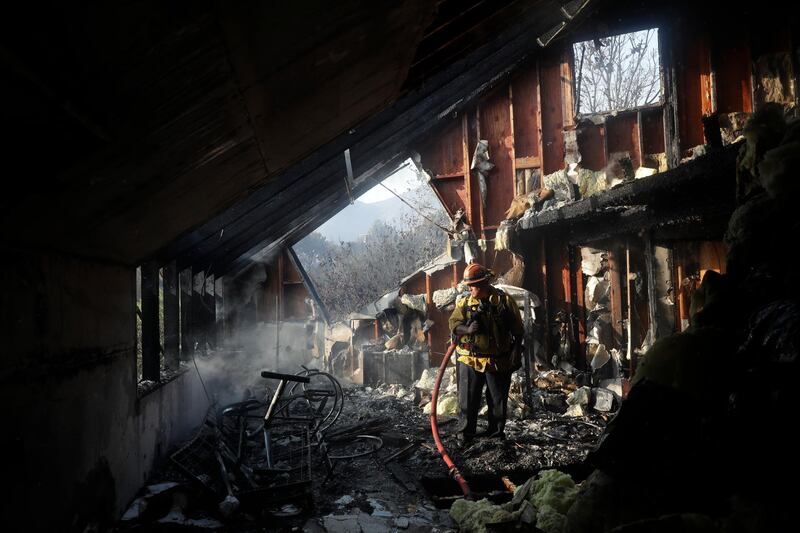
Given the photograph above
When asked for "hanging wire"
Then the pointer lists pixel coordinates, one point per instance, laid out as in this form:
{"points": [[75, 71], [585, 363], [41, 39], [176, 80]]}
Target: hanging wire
{"points": [[423, 215]]}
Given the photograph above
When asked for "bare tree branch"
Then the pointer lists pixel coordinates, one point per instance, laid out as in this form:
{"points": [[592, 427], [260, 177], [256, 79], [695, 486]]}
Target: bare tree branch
{"points": [[619, 72]]}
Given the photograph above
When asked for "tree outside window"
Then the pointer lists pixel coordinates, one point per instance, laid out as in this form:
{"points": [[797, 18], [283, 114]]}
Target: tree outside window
{"points": [[618, 72]]}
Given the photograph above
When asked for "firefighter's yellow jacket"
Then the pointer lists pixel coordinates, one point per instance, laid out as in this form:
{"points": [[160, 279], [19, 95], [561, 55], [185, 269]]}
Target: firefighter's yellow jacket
{"points": [[487, 350]]}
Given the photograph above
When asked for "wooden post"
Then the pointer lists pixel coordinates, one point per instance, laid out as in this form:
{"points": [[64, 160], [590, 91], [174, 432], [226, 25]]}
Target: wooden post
{"points": [[198, 340], [629, 321], [683, 300], [171, 318], [567, 89], [640, 137], [185, 281], [278, 312], [481, 215], [151, 367], [539, 128], [669, 73], [209, 299], [579, 301], [566, 284], [526, 354], [429, 300], [219, 311], [616, 297], [652, 297], [467, 172], [513, 149], [545, 303]]}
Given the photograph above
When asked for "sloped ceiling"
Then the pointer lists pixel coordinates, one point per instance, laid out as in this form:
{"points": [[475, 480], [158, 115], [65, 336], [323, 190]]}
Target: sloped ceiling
{"points": [[201, 131]]}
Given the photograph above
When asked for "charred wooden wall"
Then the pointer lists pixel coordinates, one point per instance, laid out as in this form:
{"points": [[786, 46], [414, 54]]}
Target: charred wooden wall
{"points": [[710, 69]]}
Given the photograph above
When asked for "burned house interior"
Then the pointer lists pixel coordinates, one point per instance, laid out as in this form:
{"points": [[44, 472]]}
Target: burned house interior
{"points": [[623, 167]]}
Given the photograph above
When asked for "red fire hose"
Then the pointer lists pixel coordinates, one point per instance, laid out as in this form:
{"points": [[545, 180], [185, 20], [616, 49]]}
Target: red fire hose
{"points": [[452, 468]]}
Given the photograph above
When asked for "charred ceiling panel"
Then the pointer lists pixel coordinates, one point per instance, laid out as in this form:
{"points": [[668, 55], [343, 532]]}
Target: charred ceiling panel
{"points": [[376, 145], [205, 132], [461, 26], [309, 71], [185, 101]]}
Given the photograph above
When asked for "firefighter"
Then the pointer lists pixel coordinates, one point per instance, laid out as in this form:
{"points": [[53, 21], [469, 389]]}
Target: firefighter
{"points": [[488, 330]]}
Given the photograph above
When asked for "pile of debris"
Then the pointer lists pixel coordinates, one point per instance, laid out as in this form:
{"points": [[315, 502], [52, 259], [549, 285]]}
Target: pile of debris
{"points": [[721, 389]]}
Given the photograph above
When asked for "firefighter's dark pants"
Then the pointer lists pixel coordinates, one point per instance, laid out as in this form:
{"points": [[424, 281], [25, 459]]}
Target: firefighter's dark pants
{"points": [[470, 389]]}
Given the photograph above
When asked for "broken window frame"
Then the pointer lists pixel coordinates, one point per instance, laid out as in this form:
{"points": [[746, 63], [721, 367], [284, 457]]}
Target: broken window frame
{"points": [[157, 363], [577, 78]]}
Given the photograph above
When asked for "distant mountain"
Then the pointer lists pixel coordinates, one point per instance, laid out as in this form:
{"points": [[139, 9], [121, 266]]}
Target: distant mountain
{"points": [[354, 220]]}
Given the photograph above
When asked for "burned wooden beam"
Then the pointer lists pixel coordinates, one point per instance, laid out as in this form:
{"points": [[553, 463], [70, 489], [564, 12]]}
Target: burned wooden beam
{"points": [[150, 335], [171, 317], [185, 287]]}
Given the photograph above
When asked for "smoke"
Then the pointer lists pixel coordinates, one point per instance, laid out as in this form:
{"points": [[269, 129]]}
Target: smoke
{"points": [[233, 373]]}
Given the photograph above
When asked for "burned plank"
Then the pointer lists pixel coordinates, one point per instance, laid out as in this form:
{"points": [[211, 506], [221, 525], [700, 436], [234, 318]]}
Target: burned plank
{"points": [[150, 337]]}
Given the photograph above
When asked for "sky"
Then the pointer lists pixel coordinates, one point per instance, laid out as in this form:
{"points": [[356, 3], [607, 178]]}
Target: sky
{"points": [[404, 180], [354, 220]]}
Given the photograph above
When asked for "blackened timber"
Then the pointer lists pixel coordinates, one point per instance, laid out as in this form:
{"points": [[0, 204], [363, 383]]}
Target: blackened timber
{"points": [[150, 335], [232, 258], [400, 125], [679, 222], [210, 311], [274, 225], [198, 338], [708, 180], [309, 284], [652, 297], [616, 262], [669, 75], [171, 318], [185, 282]]}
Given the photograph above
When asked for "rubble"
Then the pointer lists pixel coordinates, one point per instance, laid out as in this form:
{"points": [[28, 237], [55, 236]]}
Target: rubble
{"points": [[415, 302], [562, 187], [591, 182], [604, 399], [444, 298], [657, 161], [579, 397], [763, 131], [732, 126], [381, 491]]}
